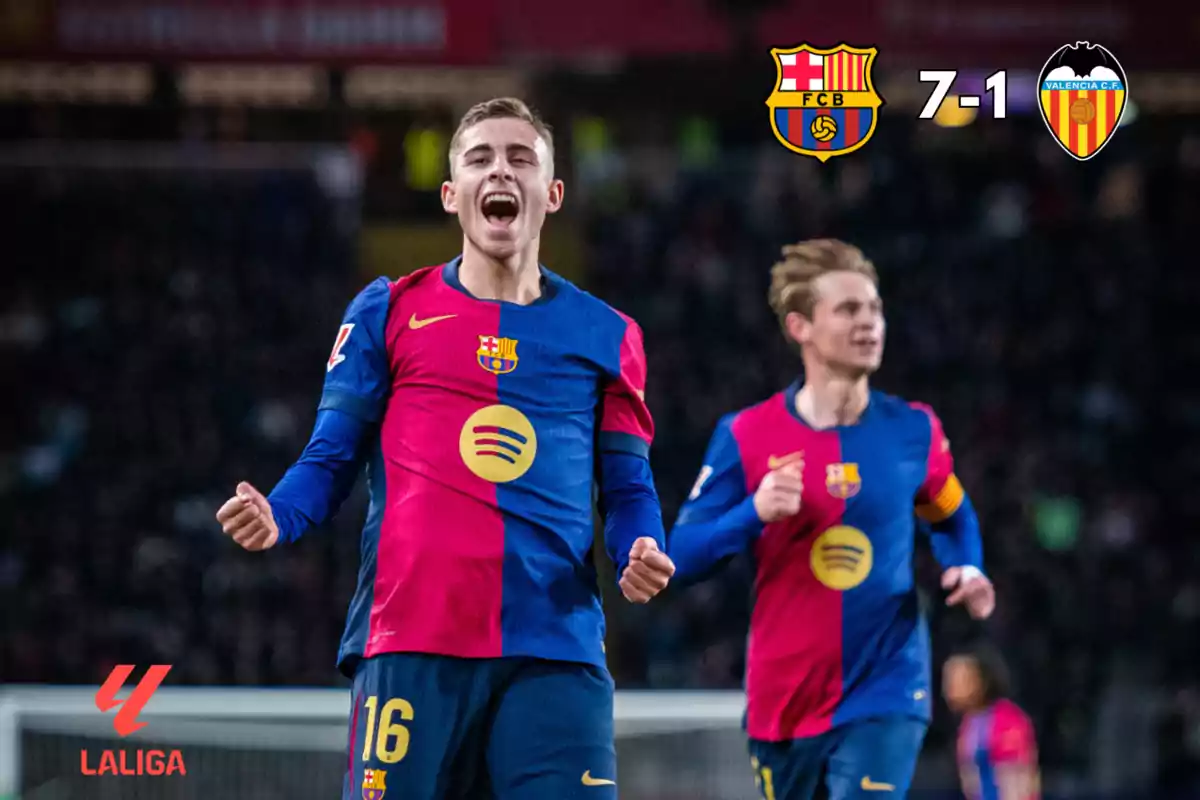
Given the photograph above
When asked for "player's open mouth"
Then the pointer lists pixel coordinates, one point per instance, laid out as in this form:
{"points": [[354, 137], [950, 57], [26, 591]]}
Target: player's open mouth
{"points": [[500, 208]]}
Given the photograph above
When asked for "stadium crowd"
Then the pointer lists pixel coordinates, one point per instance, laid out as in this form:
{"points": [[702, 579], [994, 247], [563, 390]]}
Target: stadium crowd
{"points": [[166, 338]]}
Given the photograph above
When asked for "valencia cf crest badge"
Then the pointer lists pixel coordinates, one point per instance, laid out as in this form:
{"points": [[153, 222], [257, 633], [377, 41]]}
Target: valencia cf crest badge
{"points": [[1082, 94]]}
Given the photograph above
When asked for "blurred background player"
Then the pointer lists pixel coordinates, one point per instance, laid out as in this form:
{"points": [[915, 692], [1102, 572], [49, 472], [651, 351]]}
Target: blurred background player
{"points": [[819, 482], [481, 394], [997, 746]]}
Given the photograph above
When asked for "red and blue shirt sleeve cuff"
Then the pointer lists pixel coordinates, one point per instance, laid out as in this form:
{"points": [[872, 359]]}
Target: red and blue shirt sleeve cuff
{"points": [[618, 442], [629, 503]]}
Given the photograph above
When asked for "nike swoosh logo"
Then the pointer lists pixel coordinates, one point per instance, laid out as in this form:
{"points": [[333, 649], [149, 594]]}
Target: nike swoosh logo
{"points": [[869, 785], [415, 323], [588, 780], [775, 462]]}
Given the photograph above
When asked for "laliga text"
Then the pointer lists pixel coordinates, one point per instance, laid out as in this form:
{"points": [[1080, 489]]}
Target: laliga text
{"points": [[125, 722], [137, 762]]}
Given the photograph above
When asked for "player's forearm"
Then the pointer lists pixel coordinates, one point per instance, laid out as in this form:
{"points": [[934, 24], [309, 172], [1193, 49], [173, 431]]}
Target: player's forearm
{"points": [[629, 503], [956, 540], [699, 548], [315, 487]]}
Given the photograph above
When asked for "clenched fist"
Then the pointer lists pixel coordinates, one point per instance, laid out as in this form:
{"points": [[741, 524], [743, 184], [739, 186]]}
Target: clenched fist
{"points": [[778, 495], [648, 572], [247, 518]]}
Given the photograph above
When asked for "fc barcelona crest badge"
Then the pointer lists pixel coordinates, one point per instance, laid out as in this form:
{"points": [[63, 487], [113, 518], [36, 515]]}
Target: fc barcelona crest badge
{"points": [[1082, 95], [842, 480], [824, 102], [497, 354], [373, 784]]}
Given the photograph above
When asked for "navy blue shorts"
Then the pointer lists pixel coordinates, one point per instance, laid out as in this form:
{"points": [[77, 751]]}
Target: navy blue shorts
{"points": [[872, 759], [427, 727]]}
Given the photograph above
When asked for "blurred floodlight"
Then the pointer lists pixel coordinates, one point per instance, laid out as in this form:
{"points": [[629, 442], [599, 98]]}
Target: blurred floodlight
{"points": [[387, 87], [231, 84], [951, 115], [76, 83]]}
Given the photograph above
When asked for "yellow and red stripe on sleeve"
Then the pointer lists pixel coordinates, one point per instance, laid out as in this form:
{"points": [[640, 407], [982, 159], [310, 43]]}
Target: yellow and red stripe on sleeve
{"points": [[943, 504], [940, 494]]}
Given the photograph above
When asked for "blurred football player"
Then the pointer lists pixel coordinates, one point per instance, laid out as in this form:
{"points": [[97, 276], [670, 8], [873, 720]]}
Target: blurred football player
{"points": [[819, 484], [484, 395], [997, 747]]}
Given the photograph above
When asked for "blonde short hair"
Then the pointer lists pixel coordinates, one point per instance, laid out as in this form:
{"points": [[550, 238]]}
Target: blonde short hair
{"points": [[792, 278], [500, 108]]}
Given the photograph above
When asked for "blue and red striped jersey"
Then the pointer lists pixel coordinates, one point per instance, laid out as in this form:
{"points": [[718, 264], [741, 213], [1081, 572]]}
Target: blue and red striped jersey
{"points": [[989, 741], [490, 420], [836, 633]]}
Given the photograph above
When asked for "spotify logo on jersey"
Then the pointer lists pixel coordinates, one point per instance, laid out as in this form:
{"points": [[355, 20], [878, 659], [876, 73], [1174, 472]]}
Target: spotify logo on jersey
{"points": [[841, 557], [498, 443]]}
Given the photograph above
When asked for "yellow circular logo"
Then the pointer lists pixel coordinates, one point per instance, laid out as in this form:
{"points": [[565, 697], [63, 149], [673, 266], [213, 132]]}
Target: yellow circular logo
{"points": [[841, 557], [498, 443]]}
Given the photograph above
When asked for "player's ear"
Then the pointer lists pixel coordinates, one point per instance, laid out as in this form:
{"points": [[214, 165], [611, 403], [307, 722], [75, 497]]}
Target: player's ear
{"points": [[798, 327], [555, 201], [449, 198]]}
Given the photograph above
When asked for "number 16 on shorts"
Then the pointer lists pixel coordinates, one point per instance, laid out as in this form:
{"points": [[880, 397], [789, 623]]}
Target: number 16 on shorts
{"points": [[943, 79]]}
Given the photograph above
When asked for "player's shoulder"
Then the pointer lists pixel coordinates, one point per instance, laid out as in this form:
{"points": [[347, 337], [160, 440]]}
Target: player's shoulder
{"points": [[418, 278], [765, 415], [1007, 714], [914, 414], [898, 407], [724, 426], [376, 293], [383, 291], [584, 307], [1012, 736]]}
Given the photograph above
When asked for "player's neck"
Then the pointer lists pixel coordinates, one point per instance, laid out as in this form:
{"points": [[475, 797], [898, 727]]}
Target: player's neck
{"points": [[826, 401], [512, 280]]}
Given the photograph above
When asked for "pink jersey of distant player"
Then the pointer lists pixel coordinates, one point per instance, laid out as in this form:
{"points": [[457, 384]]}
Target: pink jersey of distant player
{"points": [[992, 740]]}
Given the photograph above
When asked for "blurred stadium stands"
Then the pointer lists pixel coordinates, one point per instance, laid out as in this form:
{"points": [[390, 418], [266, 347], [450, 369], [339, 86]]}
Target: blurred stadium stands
{"points": [[173, 277]]}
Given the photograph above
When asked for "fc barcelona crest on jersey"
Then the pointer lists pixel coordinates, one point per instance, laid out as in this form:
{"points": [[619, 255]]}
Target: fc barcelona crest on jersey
{"points": [[824, 103], [373, 784], [496, 354], [1082, 92], [842, 480]]}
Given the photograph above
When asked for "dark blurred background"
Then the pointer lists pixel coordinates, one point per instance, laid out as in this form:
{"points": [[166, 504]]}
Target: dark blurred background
{"points": [[191, 193]]}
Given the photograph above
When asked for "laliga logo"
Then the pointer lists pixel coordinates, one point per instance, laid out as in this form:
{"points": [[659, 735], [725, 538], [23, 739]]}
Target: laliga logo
{"points": [[125, 722]]}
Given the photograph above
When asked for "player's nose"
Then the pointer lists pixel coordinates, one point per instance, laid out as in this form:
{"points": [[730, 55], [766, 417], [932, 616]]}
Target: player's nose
{"points": [[501, 171]]}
